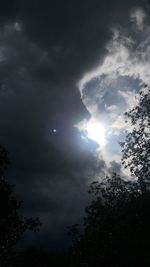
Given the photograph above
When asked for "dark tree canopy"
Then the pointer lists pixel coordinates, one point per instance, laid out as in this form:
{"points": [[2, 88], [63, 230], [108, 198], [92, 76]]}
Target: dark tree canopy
{"points": [[136, 148], [116, 230], [37, 257], [12, 224]]}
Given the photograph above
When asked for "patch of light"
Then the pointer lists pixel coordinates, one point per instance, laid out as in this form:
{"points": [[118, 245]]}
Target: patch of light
{"points": [[96, 131]]}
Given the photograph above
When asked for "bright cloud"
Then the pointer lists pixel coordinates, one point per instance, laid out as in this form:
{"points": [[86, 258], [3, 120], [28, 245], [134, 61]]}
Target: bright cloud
{"points": [[138, 16], [111, 89]]}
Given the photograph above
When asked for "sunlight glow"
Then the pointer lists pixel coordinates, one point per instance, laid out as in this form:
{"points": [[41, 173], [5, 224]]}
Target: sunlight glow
{"points": [[96, 132]]}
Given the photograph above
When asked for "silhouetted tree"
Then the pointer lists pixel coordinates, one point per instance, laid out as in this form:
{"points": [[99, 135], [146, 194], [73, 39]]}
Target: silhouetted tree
{"points": [[12, 224], [37, 257], [136, 148], [116, 230], [116, 226], [105, 226]]}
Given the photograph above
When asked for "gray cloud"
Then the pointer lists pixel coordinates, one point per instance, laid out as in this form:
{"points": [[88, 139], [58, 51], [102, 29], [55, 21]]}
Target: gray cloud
{"points": [[48, 169], [110, 89], [45, 48]]}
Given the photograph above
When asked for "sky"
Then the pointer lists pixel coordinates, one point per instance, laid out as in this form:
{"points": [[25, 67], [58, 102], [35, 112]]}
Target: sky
{"points": [[68, 71]]}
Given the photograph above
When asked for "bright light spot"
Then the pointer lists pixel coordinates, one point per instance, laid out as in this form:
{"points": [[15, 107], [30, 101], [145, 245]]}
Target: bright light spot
{"points": [[96, 132], [54, 131]]}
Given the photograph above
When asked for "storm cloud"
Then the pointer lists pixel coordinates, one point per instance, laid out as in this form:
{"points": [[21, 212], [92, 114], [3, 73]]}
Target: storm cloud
{"points": [[59, 65]]}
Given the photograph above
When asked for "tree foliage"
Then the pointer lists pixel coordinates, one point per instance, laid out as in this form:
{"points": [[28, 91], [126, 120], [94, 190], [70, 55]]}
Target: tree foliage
{"points": [[12, 224], [116, 226], [116, 230], [136, 147], [37, 257]]}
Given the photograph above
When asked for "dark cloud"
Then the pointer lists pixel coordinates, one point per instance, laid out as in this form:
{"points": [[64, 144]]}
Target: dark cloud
{"points": [[45, 48], [72, 32], [115, 167]]}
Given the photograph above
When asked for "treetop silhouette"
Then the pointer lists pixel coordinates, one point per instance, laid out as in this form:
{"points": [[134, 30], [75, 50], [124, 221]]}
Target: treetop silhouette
{"points": [[12, 224]]}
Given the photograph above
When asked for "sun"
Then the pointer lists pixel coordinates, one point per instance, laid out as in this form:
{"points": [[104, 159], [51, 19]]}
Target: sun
{"points": [[96, 131]]}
